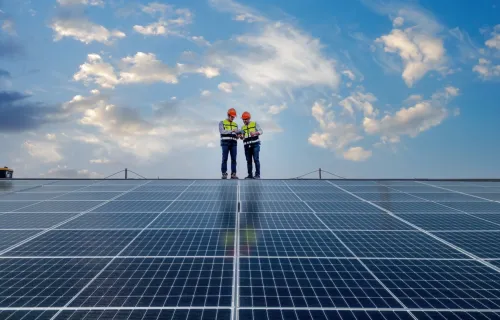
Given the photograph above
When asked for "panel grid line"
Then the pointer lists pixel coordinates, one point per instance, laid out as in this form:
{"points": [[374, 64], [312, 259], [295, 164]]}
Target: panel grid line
{"points": [[455, 191], [41, 201], [119, 253], [359, 260], [454, 209], [60, 224], [473, 256]]}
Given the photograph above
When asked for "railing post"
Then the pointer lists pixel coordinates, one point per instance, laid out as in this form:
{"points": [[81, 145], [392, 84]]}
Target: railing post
{"points": [[320, 173], [126, 173]]}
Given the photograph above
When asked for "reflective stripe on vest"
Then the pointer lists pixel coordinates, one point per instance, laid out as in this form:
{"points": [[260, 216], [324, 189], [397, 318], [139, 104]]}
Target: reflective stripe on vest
{"points": [[248, 139], [229, 126]]}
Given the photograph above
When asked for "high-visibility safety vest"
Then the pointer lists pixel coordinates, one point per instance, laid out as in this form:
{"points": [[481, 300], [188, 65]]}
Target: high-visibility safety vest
{"points": [[247, 130], [228, 125]]}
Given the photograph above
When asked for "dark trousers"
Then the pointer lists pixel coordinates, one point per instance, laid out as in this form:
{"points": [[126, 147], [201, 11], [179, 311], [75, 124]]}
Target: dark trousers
{"points": [[230, 148], [252, 153]]}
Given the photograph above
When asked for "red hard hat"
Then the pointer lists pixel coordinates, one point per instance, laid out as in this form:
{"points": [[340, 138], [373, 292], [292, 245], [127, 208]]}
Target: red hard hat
{"points": [[245, 115], [231, 112]]}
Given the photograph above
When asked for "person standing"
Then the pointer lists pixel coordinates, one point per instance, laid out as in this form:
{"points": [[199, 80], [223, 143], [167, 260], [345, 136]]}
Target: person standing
{"points": [[250, 133], [229, 142]]}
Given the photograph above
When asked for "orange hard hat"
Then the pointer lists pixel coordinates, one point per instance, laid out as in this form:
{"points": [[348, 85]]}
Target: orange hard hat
{"points": [[231, 112], [245, 115]]}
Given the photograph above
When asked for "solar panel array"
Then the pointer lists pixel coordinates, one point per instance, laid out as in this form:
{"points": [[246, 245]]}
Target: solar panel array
{"points": [[249, 249]]}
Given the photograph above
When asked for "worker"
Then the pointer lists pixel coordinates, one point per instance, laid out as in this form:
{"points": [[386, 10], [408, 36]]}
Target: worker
{"points": [[229, 142], [250, 133]]}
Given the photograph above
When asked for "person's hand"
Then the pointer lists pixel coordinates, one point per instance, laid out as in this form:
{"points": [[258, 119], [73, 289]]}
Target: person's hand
{"points": [[253, 134]]}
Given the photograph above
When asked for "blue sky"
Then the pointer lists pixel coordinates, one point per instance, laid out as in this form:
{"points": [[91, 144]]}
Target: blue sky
{"points": [[363, 88]]}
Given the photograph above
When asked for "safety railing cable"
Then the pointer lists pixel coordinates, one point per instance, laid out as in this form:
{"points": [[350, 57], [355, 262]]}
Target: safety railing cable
{"points": [[320, 171]]}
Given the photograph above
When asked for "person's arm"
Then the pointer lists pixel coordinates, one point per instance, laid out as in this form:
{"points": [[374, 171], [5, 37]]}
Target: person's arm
{"points": [[258, 128]]}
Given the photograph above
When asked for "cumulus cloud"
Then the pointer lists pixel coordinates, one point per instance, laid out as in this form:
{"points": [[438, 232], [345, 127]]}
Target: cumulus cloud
{"points": [[486, 69], [226, 87], [239, 11], [277, 109], [200, 40], [278, 57], [81, 29], [416, 39], [140, 68], [413, 120], [44, 151], [494, 41], [65, 172], [359, 101], [8, 27], [357, 154], [171, 22], [81, 2]]}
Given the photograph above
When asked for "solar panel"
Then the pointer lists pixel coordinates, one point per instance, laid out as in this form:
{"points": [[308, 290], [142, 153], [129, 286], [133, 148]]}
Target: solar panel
{"points": [[250, 249]]}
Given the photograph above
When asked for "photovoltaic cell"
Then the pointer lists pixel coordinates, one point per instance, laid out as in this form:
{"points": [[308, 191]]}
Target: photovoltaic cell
{"points": [[445, 197], [362, 221], [261, 196], [291, 243], [48, 282], [482, 244], [195, 220], [160, 188], [60, 243], [34, 196], [88, 196], [8, 206], [11, 237], [449, 221], [133, 206], [346, 207], [263, 188], [472, 189], [316, 189], [456, 315], [161, 282], [370, 189], [279, 220], [197, 242], [268, 206], [411, 207], [397, 244], [161, 196], [27, 314], [209, 196], [392, 196], [475, 207], [202, 206], [28, 220], [60, 206], [275, 314], [313, 283], [492, 217], [325, 197], [110, 220], [164, 314], [455, 284], [489, 196]]}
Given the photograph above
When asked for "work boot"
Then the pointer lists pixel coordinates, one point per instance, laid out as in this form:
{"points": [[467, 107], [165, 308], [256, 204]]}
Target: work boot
{"points": [[224, 176], [249, 177], [233, 176], [257, 176]]}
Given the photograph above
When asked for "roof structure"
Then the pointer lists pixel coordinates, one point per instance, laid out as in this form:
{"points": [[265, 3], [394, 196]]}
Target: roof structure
{"points": [[249, 249]]}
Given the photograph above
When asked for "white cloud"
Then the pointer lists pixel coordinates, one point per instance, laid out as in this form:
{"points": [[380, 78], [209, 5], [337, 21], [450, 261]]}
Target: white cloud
{"points": [[43, 151], [98, 71], [398, 22], [50, 136], [420, 53], [241, 12], [171, 22], [205, 93], [360, 101], [140, 68], [419, 45], [349, 74], [226, 87], [68, 173], [486, 69], [278, 58], [81, 2], [452, 91], [333, 135], [101, 161], [494, 41], [413, 120], [84, 31], [8, 27], [146, 68], [277, 109], [201, 41], [357, 154]]}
